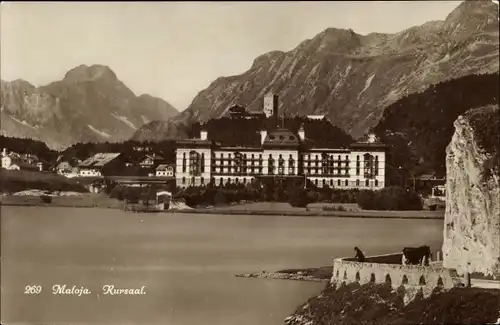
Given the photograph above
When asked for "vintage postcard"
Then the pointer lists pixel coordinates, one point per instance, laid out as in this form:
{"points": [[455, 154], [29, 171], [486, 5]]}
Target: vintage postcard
{"points": [[250, 163]]}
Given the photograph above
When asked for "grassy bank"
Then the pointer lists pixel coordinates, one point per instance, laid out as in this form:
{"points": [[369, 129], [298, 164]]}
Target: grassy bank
{"points": [[85, 200], [258, 208], [20, 180], [381, 305]]}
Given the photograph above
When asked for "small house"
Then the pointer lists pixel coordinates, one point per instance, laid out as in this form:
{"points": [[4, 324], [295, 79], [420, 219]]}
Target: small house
{"points": [[94, 166], [15, 161], [151, 161], [165, 170]]}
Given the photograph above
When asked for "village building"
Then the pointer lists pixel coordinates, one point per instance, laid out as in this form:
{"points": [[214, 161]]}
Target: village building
{"points": [[15, 161], [280, 154], [151, 161], [165, 170], [315, 117], [64, 168], [96, 165], [428, 181], [237, 112], [142, 148]]}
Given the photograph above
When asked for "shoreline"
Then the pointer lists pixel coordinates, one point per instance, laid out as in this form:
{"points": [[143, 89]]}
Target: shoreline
{"points": [[332, 214], [89, 200], [84, 200], [325, 273], [381, 214], [320, 274], [280, 276]]}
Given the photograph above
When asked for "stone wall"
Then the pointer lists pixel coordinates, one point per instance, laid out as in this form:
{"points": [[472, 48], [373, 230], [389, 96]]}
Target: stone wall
{"points": [[472, 218], [413, 278], [394, 258]]}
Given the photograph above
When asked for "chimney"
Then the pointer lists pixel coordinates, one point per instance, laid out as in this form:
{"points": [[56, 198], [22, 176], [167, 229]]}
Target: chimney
{"points": [[371, 138], [275, 109], [263, 135], [203, 134], [4, 152], [302, 133]]}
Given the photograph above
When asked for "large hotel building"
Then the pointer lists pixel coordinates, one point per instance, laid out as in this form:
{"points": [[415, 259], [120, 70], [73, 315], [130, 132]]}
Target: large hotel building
{"points": [[280, 154]]}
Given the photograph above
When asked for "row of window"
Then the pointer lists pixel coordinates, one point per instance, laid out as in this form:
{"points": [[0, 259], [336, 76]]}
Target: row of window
{"points": [[197, 166], [324, 182], [305, 157], [253, 171], [345, 182], [195, 170]]}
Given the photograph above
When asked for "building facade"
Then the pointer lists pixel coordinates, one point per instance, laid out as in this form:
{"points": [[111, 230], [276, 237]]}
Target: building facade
{"points": [[94, 165], [281, 154], [165, 170], [15, 161]]}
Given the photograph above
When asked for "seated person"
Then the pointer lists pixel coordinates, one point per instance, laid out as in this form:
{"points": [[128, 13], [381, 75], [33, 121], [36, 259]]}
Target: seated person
{"points": [[359, 254]]}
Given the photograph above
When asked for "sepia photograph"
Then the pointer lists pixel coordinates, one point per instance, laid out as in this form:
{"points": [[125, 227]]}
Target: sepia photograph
{"points": [[250, 163]]}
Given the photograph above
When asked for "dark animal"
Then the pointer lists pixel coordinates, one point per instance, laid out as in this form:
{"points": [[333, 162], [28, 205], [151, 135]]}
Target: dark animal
{"points": [[416, 255], [359, 254]]}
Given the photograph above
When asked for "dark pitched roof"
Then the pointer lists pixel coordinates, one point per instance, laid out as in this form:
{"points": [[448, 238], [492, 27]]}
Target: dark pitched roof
{"points": [[154, 157], [164, 167], [99, 159], [190, 143], [368, 145], [280, 138]]}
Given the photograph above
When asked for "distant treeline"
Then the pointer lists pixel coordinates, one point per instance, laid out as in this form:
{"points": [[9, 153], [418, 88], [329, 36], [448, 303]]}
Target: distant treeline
{"points": [[389, 198], [84, 150], [28, 146], [241, 131], [419, 127]]}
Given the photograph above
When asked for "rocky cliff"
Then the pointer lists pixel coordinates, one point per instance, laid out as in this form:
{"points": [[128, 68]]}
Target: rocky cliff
{"points": [[378, 304], [89, 104], [351, 77], [472, 218]]}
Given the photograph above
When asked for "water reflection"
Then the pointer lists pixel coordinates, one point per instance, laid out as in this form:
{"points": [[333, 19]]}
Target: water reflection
{"points": [[187, 263]]}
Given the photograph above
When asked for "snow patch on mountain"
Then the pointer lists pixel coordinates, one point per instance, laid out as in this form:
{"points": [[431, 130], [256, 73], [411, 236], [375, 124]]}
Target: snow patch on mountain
{"points": [[124, 120], [367, 84], [23, 123], [101, 133]]}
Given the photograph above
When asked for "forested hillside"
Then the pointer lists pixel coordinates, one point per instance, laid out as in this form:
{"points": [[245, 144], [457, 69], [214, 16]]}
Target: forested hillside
{"points": [[28, 146], [84, 150], [243, 132], [419, 127]]}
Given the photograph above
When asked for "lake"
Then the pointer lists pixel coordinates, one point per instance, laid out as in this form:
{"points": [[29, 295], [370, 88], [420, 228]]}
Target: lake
{"points": [[186, 262]]}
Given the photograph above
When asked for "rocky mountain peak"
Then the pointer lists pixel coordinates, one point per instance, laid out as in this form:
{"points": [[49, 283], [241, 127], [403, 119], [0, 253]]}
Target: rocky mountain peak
{"points": [[89, 104], [267, 57], [90, 73], [472, 16], [337, 40], [351, 78], [18, 83]]}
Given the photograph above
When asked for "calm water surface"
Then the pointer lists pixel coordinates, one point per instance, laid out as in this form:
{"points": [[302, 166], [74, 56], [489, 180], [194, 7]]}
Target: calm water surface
{"points": [[187, 263]]}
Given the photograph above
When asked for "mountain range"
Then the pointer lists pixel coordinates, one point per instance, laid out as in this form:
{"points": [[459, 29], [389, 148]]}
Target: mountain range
{"points": [[349, 77], [90, 104]]}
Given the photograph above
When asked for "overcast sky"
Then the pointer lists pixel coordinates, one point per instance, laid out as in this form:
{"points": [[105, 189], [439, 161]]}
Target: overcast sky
{"points": [[173, 50]]}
